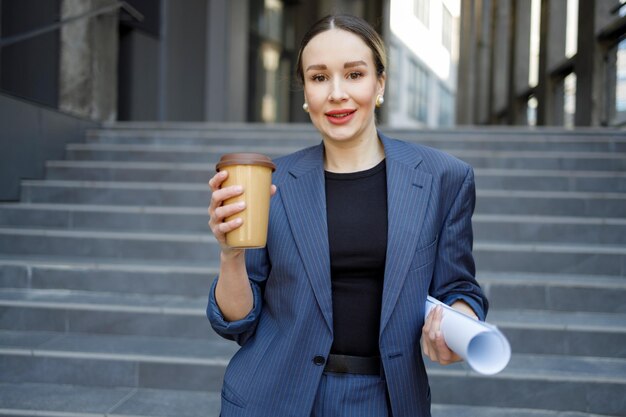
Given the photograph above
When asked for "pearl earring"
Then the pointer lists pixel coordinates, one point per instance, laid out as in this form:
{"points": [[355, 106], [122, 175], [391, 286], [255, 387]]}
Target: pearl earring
{"points": [[305, 107], [379, 100]]}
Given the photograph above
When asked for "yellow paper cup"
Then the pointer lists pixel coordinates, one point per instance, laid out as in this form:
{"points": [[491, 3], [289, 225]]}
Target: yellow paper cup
{"points": [[253, 172]]}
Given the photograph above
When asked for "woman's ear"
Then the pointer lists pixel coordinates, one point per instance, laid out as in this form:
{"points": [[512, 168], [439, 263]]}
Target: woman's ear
{"points": [[382, 78]]}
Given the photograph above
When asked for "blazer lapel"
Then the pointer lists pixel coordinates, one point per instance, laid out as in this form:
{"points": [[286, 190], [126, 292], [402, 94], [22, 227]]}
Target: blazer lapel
{"points": [[304, 199], [408, 191]]}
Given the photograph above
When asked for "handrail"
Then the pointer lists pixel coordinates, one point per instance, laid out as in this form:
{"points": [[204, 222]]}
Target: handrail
{"points": [[617, 8], [54, 26]]}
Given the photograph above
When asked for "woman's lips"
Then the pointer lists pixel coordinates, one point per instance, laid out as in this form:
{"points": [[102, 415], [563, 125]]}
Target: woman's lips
{"points": [[340, 116]]}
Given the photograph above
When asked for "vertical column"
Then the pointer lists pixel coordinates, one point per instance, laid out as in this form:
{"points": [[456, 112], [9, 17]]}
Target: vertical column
{"points": [[226, 75], [88, 67], [481, 62], [550, 90], [520, 68], [502, 59], [589, 63], [585, 66], [465, 90]]}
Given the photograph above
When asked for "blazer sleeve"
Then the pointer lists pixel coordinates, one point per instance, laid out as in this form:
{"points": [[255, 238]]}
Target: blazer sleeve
{"points": [[258, 266], [454, 273]]}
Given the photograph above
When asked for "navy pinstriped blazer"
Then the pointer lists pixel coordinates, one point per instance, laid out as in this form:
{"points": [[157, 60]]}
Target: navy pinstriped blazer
{"points": [[430, 203]]}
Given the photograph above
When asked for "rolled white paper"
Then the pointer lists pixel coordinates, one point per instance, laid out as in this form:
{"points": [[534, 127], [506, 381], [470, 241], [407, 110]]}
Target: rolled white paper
{"points": [[482, 345]]}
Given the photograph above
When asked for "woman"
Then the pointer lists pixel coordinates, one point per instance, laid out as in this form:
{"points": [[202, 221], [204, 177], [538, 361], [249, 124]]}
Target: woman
{"points": [[330, 314]]}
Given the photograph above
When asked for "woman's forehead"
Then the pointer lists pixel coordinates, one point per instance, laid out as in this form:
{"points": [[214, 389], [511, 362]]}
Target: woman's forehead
{"points": [[336, 45]]}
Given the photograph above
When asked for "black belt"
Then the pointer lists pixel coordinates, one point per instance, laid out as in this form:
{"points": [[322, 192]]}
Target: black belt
{"points": [[344, 364]]}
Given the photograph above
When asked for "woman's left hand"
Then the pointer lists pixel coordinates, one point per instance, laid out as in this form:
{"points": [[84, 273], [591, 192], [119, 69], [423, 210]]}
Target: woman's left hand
{"points": [[433, 343]]}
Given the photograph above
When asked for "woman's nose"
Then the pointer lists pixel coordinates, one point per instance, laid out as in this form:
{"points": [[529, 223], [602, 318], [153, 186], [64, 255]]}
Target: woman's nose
{"points": [[338, 93]]}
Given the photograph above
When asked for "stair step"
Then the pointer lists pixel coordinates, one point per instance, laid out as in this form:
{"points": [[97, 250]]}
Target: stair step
{"points": [[115, 193], [561, 203], [195, 247], [556, 292], [598, 334], [544, 382], [486, 178], [563, 333], [194, 219], [551, 257], [114, 361], [202, 248], [207, 154], [303, 135], [103, 217], [105, 313], [210, 154], [445, 410], [96, 360], [56, 400], [522, 228], [553, 203], [101, 275]]}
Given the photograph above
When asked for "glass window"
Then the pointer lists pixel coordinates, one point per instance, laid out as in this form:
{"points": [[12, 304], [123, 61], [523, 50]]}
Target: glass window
{"points": [[446, 107], [569, 102], [417, 92], [393, 94], [421, 9], [446, 29]]}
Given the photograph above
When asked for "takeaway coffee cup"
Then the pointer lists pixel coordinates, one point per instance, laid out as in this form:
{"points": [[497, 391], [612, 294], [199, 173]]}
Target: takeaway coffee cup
{"points": [[253, 172]]}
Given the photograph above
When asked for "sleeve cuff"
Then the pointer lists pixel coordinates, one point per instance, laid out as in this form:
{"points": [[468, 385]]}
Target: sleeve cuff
{"points": [[224, 327], [476, 306]]}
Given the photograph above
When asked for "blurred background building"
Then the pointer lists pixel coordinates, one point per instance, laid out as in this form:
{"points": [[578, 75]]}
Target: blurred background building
{"points": [[542, 62], [213, 60], [528, 62]]}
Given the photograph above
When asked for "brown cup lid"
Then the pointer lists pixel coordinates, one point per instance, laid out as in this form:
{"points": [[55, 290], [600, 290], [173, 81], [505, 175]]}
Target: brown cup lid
{"points": [[244, 158]]}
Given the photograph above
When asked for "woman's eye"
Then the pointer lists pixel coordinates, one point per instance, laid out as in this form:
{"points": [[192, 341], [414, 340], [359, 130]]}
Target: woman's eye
{"points": [[318, 77], [355, 75]]}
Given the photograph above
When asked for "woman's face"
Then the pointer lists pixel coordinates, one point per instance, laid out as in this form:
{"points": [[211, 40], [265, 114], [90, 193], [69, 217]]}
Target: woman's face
{"points": [[341, 85]]}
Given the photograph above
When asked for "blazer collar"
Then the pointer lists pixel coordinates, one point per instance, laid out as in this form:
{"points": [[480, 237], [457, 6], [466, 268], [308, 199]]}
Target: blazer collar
{"points": [[304, 198]]}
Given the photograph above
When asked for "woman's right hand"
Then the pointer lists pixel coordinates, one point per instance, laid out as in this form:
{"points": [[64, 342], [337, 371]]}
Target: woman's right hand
{"points": [[218, 211]]}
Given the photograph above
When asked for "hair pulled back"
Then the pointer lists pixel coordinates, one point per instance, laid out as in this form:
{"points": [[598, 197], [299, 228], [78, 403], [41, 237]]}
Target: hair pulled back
{"points": [[351, 24]]}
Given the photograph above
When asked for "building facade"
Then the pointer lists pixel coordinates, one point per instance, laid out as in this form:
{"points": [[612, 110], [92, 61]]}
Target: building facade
{"points": [[423, 55], [214, 60], [542, 62]]}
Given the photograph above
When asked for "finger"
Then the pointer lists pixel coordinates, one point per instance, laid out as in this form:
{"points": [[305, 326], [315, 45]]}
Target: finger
{"points": [[219, 196], [229, 225], [216, 181], [435, 323], [428, 321], [273, 189], [228, 210]]}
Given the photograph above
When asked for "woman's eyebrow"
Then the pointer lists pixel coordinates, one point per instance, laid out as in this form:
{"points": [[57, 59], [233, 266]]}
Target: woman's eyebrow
{"points": [[354, 64], [316, 67], [350, 64]]}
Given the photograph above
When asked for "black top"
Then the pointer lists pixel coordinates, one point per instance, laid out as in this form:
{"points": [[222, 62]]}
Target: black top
{"points": [[356, 208]]}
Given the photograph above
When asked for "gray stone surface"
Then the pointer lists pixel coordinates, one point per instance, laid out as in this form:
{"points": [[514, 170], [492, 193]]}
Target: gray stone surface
{"points": [[55, 398], [162, 403], [103, 283]]}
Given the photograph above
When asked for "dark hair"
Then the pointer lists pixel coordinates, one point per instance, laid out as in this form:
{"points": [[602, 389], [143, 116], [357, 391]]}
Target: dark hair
{"points": [[350, 24]]}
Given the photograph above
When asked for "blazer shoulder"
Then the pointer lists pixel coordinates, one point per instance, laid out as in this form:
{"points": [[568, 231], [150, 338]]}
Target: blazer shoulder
{"points": [[285, 163], [434, 161]]}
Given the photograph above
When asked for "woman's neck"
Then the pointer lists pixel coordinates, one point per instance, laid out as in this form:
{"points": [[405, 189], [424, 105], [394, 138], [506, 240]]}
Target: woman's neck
{"points": [[342, 157]]}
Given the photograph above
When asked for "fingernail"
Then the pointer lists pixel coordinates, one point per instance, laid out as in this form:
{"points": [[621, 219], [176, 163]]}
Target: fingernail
{"points": [[241, 204]]}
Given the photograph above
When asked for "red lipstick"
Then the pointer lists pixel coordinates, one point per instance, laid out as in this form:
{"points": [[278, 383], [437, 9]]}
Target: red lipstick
{"points": [[340, 116]]}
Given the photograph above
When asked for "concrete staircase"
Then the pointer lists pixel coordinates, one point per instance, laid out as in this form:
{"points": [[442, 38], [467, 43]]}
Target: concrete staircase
{"points": [[105, 267]]}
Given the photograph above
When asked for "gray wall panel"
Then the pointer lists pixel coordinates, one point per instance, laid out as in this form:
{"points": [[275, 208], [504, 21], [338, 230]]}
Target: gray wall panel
{"points": [[29, 136]]}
